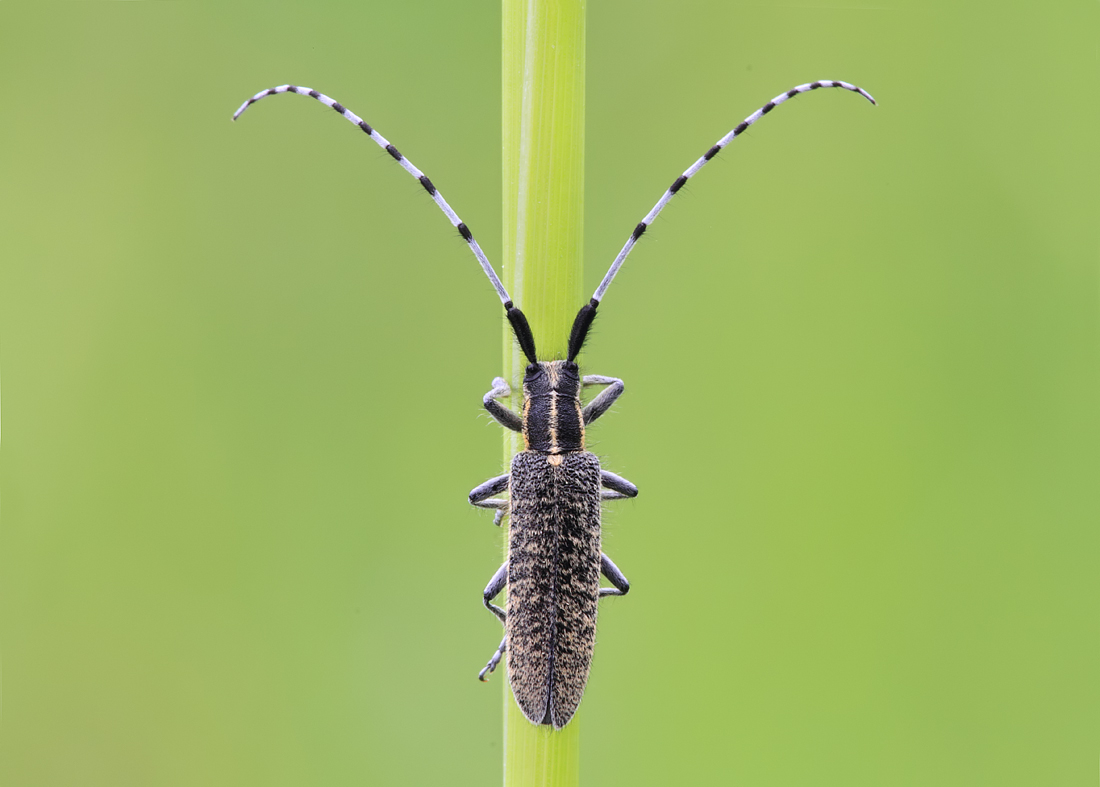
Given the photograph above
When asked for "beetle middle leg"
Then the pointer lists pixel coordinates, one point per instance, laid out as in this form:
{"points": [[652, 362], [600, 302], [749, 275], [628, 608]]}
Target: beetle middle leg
{"points": [[500, 504], [492, 590], [481, 494], [616, 487]]}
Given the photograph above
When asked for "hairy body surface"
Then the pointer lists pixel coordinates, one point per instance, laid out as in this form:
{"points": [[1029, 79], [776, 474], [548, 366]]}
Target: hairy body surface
{"points": [[553, 581]]}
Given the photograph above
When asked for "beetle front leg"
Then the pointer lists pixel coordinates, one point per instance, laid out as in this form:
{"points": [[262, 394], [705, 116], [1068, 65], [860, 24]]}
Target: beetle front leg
{"points": [[603, 401], [492, 590], [611, 571], [501, 414]]}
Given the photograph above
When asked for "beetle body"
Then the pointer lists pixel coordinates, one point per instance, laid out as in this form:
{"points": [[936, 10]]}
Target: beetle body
{"points": [[555, 487], [554, 560], [553, 549], [553, 580]]}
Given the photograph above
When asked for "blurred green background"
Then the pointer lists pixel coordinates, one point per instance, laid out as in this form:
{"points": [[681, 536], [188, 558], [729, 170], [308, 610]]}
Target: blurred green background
{"points": [[242, 370]]}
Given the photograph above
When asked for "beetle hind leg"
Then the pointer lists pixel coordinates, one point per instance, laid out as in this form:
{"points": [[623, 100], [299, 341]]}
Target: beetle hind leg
{"points": [[611, 571], [492, 590], [493, 662]]}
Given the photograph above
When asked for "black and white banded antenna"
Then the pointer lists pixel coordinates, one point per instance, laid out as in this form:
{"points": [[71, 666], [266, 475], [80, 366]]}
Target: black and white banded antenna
{"points": [[588, 311], [515, 316]]}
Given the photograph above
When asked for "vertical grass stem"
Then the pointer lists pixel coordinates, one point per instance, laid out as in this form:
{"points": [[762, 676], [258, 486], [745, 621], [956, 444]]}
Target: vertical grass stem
{"points": [[543, 125]]}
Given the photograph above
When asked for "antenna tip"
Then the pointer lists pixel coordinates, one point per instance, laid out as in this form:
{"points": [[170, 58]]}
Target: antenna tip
{"points": [[243, 107]]}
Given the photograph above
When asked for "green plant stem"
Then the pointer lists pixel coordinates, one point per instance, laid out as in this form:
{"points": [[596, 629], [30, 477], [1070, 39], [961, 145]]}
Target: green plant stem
{"points": [[543, 114]]}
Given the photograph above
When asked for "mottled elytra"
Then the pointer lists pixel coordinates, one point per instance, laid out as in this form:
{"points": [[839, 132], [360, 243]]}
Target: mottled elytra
{"points": [[554, 487]]}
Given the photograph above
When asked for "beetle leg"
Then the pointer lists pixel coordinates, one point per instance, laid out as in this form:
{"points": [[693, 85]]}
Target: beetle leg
{"points": [[480, 497], [492, 590], [492, 665], [500, 504], [488, 489], [611, 571], [617, 486], [501, 414], [603, 401]]}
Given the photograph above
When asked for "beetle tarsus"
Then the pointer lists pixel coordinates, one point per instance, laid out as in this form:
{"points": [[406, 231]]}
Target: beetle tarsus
{"points": [[493, 662]]}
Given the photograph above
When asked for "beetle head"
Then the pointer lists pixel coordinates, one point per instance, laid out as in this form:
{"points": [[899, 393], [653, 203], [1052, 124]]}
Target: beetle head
{"points": [[547, 377]]}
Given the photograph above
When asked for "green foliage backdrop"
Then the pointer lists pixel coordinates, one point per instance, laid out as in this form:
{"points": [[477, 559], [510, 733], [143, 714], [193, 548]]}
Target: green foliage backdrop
{"points": [[242, 368]]}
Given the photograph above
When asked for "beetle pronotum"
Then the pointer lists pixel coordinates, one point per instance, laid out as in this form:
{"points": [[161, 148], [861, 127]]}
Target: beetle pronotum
{"points": [[555, 487]]}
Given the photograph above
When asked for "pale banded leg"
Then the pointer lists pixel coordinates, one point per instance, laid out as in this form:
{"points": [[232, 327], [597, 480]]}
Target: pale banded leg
{"points": [[501, 414], [698, 165], [603, 401], [407, 165], [492, 590], [614, 576]]}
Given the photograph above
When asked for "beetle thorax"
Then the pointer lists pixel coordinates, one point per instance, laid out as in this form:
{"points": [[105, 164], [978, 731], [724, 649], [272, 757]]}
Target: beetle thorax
{"points": [[552, 422]]}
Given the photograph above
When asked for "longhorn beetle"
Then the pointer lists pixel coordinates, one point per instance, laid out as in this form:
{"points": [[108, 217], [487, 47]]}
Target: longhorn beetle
{"points": [[555, 487]]}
